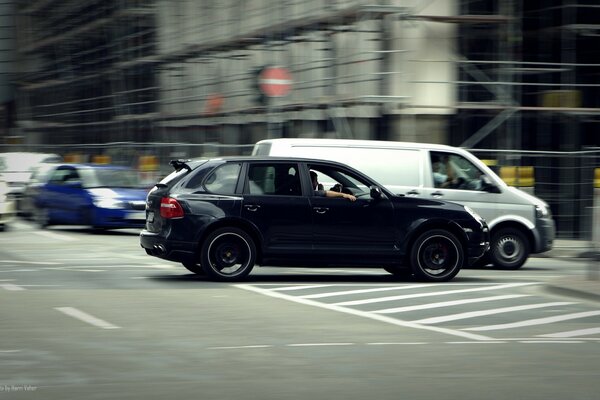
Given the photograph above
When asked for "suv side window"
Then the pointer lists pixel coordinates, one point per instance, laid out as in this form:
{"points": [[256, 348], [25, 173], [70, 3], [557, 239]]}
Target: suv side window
{"points": [[451, 171], [223, 179], [274, 179]]}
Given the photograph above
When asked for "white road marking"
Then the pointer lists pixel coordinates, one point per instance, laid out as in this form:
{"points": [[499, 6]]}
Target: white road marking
{"points": [[447, 304], [319, 344], [380, 318], [300, 287], [569, 334], [9, 351], [550, 341], [428, 294], [257, 346], [54, 235], [393, 343], [359, 291], [85, 317], [537, 321], [28, 262], [12, 287], [493, 311]]}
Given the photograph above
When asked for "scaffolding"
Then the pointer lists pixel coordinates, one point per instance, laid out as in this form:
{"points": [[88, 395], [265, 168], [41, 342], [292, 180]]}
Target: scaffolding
{"points": [[487, 74]]}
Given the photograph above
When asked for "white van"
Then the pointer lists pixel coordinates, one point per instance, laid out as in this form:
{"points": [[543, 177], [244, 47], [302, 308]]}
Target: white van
{"points": [[520, 223]]}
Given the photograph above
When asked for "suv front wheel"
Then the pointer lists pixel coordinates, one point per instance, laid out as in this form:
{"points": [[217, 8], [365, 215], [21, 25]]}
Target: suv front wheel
{"points": [[436, 256], [228, 254]]}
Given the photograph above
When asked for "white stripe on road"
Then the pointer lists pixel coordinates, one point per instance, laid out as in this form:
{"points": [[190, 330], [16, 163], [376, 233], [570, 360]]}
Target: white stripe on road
{"points": [[85, 317], [53, 235], [428, 294], [10, 286], [579, 332], [475, 314], [28, 262], [359, 291], [363, 314], [287, 288], [537, 321], [447, 304]]}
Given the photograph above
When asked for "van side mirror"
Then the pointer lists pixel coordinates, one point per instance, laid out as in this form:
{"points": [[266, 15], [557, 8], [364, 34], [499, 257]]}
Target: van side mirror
{"points": [[375, 192]]}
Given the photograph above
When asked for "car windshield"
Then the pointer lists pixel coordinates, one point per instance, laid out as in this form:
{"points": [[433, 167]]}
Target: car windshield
{"points": [[110, 177]]}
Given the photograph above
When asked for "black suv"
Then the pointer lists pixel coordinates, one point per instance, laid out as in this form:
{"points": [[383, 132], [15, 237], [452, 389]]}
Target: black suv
{"points": [[222, 216]]}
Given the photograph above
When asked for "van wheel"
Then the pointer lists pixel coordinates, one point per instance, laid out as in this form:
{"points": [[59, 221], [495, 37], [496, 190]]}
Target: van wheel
{"points": [[228, 254], [436, 256], [509, 248]]}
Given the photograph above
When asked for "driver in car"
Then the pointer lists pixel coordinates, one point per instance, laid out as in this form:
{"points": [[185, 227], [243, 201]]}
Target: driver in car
{"points": [[319, 191]]}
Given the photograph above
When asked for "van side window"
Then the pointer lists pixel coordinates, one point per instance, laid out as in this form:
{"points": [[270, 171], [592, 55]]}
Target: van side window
{"points": [[451, 171]]}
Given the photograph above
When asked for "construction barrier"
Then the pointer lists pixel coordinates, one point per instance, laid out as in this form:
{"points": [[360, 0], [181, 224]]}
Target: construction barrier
{"points": [[522, 177], [101, 159], [148, 167]]}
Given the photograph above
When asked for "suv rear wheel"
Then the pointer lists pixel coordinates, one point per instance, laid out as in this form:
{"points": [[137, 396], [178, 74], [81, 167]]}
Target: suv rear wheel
{"points": [[228, 254]]}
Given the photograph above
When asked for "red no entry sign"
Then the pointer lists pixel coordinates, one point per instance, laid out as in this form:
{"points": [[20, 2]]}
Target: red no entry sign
{"points": [[275, 81]]}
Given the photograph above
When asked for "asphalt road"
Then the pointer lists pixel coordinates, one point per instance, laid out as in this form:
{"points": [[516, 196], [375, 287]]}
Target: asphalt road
{"points": [[89, 315]]}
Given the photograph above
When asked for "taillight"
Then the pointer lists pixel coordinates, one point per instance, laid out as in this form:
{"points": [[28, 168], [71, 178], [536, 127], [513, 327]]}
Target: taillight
{"points": [[170, 208]]}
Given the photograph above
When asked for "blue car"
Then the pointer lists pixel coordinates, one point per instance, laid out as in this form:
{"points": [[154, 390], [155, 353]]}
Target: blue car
{"points": [[99, 196]]}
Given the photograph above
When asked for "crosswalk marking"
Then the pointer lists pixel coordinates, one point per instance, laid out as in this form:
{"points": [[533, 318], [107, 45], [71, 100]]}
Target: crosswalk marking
{"points": [[474, 314], [381, 318], [537, 321], [301, 287], [442, 293], [359, 291], [568, 334], [447, 304]]}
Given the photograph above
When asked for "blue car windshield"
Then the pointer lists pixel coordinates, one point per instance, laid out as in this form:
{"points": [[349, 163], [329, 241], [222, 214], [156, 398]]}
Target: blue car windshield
{"points": [[110, 177]]}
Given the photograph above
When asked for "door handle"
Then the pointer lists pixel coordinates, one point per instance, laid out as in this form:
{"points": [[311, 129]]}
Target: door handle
{"points": [[437, 194], [412, 193], [321, 210], [252, 207]]}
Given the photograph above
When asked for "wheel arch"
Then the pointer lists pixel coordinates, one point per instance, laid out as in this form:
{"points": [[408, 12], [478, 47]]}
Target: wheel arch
{"points": [[233, 223], [518, 226], [450, 226]]}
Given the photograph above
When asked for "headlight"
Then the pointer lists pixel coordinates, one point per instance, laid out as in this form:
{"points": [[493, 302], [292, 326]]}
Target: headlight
{"points": [[108, 202], [473, 213], [542, 211]]}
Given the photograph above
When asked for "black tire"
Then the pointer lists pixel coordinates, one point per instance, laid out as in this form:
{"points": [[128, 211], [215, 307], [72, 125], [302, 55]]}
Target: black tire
{"points": [[509, 248], [194, 267], [41, 217], [228, 254], [436, 256], [399, 272]]}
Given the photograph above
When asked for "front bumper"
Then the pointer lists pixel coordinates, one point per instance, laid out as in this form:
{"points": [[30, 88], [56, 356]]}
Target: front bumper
{"points": [[479, 245], [544, 234]]}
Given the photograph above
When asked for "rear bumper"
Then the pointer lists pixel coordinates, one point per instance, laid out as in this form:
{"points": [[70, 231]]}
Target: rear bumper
{"points": [[156, 245], [7, 212]]}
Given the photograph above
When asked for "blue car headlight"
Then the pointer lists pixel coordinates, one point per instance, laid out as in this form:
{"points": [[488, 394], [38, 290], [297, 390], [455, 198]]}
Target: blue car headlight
{"points": [[108, 202]]}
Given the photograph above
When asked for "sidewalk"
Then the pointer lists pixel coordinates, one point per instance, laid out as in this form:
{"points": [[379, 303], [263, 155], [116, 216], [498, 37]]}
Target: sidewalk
{"points": [[586, 287]]}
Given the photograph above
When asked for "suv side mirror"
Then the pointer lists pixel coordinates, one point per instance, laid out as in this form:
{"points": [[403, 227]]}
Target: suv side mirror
{"points": [[375, 192]]}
